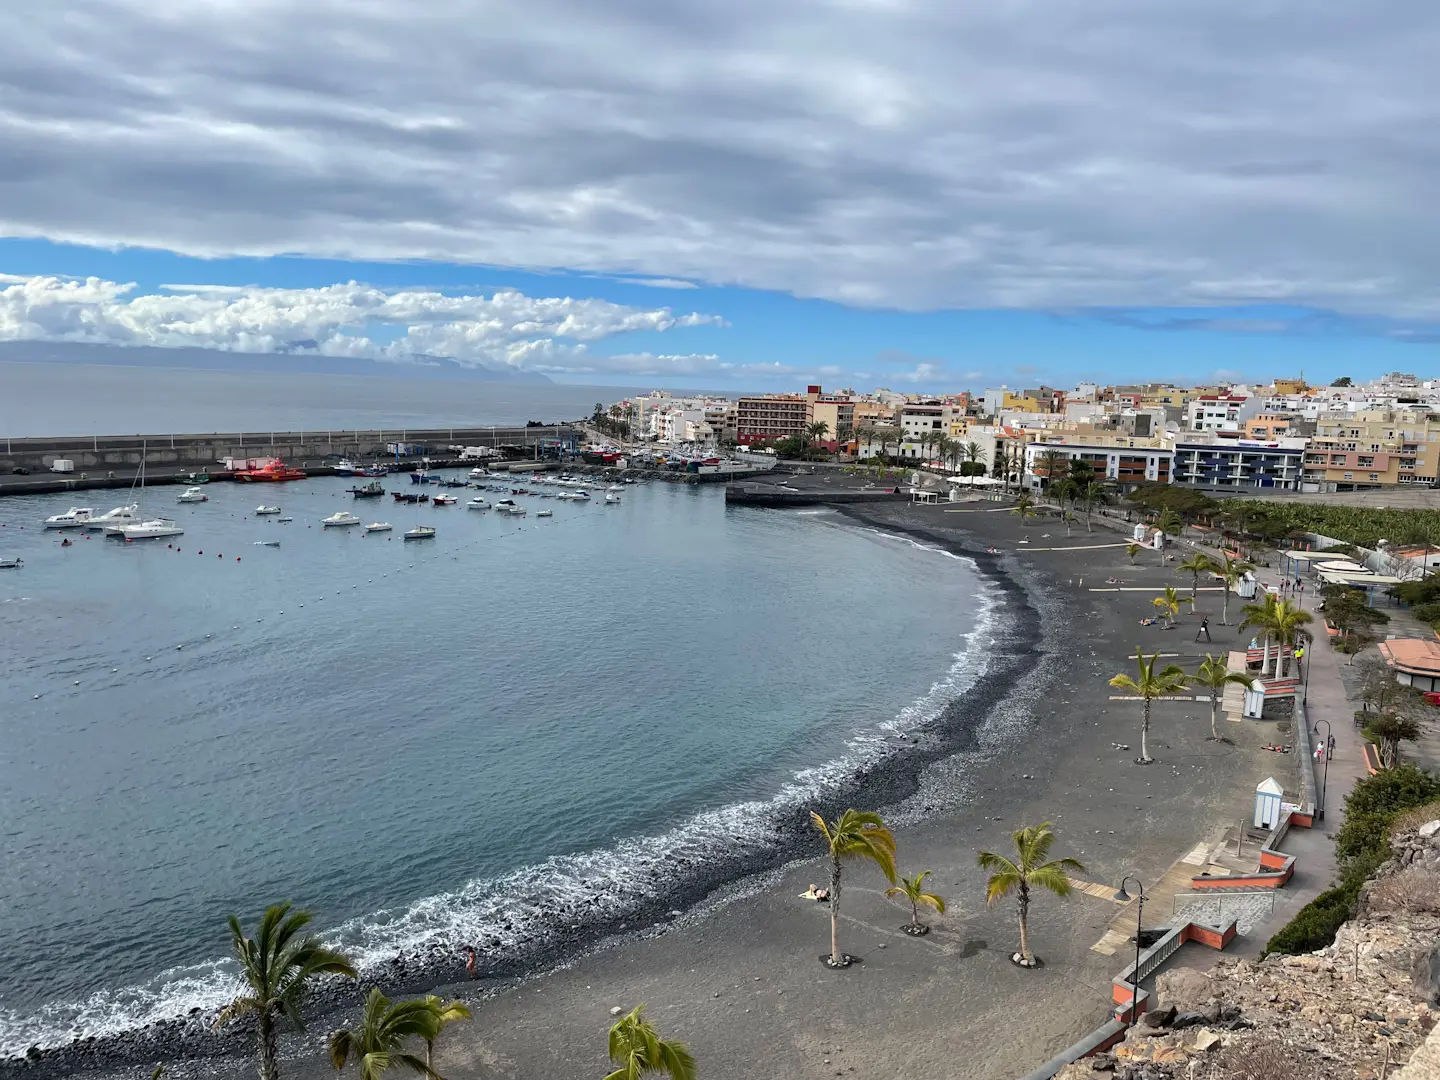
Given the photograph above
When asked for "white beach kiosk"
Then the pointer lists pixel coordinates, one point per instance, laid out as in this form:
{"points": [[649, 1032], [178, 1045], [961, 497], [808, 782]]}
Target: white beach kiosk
{"points": [[1267, 803]]}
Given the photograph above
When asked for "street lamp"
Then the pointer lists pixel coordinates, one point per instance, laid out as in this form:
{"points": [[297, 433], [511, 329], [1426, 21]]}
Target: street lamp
{"points": [[1325, 775], [1123, 897]]}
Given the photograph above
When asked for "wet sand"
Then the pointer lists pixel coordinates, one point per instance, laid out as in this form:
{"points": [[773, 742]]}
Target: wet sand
{"points": [[740, 979]]}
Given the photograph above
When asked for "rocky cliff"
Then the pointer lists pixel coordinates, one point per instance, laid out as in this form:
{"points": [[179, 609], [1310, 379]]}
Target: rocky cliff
{"points": [[1365, 1007]]}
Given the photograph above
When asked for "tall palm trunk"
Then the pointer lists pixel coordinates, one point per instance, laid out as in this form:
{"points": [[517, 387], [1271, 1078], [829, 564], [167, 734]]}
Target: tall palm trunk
{"points": [[1144, 731], [429, 1053], [835, 910], [1225, 604], [1087, 518], [1024, 904], [269, 1052], [1214, 716]]}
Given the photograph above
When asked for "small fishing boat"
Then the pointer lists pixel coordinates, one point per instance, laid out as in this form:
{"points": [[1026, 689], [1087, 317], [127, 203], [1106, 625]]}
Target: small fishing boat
{"points": [[444, 500], [11, 563], [420, 532], [73, 518], [283, 520], [454, 483], [610, 499], [378, 526], [408, 497], [266, 543], [372, 490], [193, 478], [346, 467], [544, 513], [261, 511], [423, 476], [154, 529], [577, 496], [192, 495], [477, 503], [340, 517], [479, 472], [373, 470]]}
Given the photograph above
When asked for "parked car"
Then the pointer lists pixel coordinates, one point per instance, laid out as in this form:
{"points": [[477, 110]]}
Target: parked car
{"points": [[20, 470]]}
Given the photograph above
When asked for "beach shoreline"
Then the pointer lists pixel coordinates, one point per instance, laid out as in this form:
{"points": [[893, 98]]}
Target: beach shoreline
{"points": [[937, 789]]}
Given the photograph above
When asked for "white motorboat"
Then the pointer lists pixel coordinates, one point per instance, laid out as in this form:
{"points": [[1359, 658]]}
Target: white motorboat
{"points": [[578, 496], [479, 473], [266, 543], [121, 515], [261, 511], [346, 467], [11, 564], [419, 532], [509, 506], [378, 526], [283, 520], [340, 517], [544, 513], [444, 500], [614, 487], [154, 529], [477, 503], [192, 495], [610, 499], [73, 518]]}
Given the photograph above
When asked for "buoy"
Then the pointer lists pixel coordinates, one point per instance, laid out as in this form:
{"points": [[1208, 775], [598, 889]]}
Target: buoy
{"points": [[113, 670], [237, 558], [221, 555], [35, 698], [179, 647], [147, 658], [77, 682], [200, 553]]}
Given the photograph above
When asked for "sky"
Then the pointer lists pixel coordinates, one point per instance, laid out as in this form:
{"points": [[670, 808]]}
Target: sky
{"points": [[918, 194]]}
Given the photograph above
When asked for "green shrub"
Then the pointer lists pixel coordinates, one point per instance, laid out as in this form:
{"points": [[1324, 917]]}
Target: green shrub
{"points": [[1362, 846]]}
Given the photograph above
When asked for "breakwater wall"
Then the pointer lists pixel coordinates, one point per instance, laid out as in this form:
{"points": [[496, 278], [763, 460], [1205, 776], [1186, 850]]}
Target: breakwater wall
{"points": [[96, 457]]}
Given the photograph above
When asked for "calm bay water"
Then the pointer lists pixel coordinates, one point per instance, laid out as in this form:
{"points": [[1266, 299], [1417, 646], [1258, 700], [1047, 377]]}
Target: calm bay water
{"points": [[95, 399], [435, 743]]}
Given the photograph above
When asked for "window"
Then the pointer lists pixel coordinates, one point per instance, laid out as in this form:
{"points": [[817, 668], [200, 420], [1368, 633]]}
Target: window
{"points": [[1374, 476], [1348, 476]]}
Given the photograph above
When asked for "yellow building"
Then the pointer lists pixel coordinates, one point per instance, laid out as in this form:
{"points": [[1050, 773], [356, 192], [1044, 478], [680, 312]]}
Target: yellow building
{"points": [[1267, 427], [1290, 386], [1375, 448]]}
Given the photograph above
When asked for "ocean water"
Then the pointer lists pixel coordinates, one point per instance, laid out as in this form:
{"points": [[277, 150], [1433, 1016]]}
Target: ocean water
{"points": [[469, 740], [96, 399]]}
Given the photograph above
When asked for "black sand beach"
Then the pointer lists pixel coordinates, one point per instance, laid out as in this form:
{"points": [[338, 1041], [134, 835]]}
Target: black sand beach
{"points": [[739, 978]]}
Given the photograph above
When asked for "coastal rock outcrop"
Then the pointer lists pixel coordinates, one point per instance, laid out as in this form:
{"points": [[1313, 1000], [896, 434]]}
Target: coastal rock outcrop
{"points": [[1366, 1004]]}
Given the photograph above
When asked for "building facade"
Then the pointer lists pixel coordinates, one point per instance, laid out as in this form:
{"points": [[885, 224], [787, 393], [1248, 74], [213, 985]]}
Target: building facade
{"points": [[1125, 466], [1240, 465], [770, 417], [1373, 448]]}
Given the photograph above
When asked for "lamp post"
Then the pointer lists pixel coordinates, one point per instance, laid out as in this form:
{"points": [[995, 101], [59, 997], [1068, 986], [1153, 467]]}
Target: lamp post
{"points": [[1325, 775], [1123, 897]]}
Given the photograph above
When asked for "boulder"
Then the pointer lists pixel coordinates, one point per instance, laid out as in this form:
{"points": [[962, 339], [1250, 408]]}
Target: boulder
{"points": [[1429, 829], [1183, 988], [1159, 1018], [1426, 974]]}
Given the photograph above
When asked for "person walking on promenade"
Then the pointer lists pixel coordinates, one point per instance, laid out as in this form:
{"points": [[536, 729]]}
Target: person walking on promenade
{"points": [[1204, 628]]}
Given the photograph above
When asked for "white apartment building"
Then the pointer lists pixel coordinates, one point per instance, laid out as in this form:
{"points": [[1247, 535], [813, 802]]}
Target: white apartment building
{"points": [[1221, 412], [1239, 464]]}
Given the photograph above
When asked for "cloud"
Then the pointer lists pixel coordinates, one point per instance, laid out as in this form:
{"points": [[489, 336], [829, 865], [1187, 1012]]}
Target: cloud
{"points": [[912, 153], [506, 327]]}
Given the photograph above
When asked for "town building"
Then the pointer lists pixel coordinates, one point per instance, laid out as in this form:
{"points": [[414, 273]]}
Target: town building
{"points": [[1220, 412], [1231, 465], [770, 417], [1374, 448], [1121, 461]]}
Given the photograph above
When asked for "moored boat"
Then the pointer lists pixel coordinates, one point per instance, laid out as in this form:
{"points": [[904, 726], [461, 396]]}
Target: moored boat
{"points": [[340, 517], [544, 513], [610, 499], [261, 511], [345, 467], [477, 503], [444, 500], [409, 497], [192, 495], [275, 472], [121, 515], [11, 563], [73, 518], [378, 526], [419, 532], [372, 490], [154, 529]]}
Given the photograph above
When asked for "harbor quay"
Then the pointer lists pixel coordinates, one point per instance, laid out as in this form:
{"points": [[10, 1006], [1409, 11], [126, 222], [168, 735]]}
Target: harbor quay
{"points": [[35, 465]]}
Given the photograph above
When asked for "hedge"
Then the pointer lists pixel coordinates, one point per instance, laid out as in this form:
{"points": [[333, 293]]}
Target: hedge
{"points": [[1362, 846]]}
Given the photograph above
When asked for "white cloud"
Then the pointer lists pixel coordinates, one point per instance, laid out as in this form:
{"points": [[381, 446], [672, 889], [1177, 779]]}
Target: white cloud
{"points": [[910, 153], [507, 327]]}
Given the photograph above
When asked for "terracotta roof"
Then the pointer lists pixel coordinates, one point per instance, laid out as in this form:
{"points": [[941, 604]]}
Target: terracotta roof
{"points": [[1415, 655]]}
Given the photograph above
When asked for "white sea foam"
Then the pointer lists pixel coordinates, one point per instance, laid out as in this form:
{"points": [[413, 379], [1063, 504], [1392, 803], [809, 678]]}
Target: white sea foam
{"points": [[500, 915]]}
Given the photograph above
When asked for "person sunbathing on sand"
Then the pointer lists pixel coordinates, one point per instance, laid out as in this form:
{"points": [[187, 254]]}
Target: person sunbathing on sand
{"points": [[1147, 622], [820, 896]]}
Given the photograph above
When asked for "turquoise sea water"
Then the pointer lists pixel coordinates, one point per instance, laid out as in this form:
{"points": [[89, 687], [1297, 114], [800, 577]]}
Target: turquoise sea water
{"points": [[459, 741]]}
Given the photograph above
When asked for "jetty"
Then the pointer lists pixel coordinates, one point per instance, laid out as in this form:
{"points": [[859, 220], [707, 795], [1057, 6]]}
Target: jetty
{"points": [[65, 463]]}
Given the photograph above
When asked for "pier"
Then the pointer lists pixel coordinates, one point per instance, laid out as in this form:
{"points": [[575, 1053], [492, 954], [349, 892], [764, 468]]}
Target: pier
{"points": [[101, 461]]}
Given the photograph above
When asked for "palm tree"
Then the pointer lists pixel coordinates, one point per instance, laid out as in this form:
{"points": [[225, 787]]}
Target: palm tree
{"points": [[913, 889], [1149, 685], [1230, 572], [277, 965], [1028, 870], [817, 431], [378, 1042], [1262, 617], [446, 1013], [1054, 462], [1024, 506], [1172, 602], [1132, 549], [638, 1049], [1169, 523], [1092, 494], [943, 447], [1289, 623], [1197, 564], [1214, 675], [855, 834]]}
